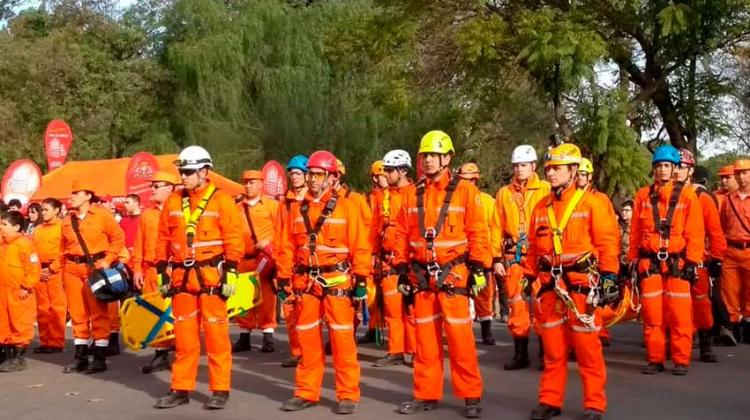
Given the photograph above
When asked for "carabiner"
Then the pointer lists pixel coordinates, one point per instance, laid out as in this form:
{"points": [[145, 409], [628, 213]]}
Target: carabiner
{"points": [[662, 255], [556, 271]]}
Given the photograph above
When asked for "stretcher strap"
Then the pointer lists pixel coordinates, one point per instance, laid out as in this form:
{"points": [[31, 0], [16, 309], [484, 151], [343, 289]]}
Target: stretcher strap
{"points": [[164, 317]]}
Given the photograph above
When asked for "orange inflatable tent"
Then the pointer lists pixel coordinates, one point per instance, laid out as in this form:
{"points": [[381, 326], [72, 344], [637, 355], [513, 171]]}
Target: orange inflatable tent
{"points": [[108, 177]]}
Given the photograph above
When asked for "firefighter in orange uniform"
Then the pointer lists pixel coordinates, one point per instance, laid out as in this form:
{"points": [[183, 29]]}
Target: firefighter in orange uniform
{"points": [[145, 277], [19, 273], [710, 267], [573, 250], [509, 230], [442, 236], [324, 260], [50, 296], [105, 241], [398, 318], [667, 241], [727, 183], [200, 234], [260, 214]]}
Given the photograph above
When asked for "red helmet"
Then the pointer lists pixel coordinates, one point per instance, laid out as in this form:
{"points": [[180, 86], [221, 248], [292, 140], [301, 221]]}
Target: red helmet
{"points": [[686, 157], [323, 159]]}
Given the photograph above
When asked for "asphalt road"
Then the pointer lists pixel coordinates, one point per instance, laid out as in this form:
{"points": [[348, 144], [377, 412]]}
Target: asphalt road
{"points": [[260, 386]]}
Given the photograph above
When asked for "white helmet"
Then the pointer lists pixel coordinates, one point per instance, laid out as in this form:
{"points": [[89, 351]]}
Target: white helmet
{"points": [[523, 154], [194, 157], [397, 158]]}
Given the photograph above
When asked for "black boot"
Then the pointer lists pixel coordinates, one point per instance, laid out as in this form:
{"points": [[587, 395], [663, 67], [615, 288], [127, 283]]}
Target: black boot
{"points": [[217, 401], [3, 353], [520, 358], [390, 359], [173, 399], [417, 406], [472, 410], [113, 348], [487, 338], [707, 354], [726, 336], [745, 332], [80, 360], [541, 354], [268, 346], [15, 361], [242, 344], [99, 364], [368, 338], [159, 362], [591, 414], [292, 361], [545, 412]]}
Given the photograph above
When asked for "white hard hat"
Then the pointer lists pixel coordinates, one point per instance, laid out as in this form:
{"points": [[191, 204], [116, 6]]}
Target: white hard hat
{"points": [[194, 157], [523, 154], [397, 158]]}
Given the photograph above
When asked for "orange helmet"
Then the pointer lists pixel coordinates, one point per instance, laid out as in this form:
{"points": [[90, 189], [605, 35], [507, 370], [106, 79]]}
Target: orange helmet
{"points": [[252, 174], [377, 168], [741, 165], [469, 170], [727, 170]]}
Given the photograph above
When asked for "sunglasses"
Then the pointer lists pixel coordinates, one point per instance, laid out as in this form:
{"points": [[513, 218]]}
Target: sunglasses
{"points": [[317, 175], [157, 186], [187, 172]]}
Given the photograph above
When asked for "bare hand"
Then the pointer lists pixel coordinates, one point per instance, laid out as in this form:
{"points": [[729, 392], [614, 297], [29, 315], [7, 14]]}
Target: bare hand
{"points": [[499, 269], [138, 280], [23, 293], [45, 275]]}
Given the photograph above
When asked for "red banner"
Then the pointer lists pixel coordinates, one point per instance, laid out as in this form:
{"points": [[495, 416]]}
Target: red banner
{"points": [[274, 183], [57, 141], [142, 167], [21, 181]]}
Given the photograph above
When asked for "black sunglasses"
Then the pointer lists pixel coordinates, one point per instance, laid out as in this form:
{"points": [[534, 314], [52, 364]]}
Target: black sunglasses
{"points": [[187, 172]]}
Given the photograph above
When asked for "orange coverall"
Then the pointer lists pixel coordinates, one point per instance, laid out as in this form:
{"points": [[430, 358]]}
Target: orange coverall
{"points": [[263, 214], [105, 240], [591, 230], [342, 240], [400, 323], [464, 234], [509, 224], [364, 204], [666, 297], [199, 303], [289, 308], [483, 303], [19, 268], [51, 305], [735, 273]]}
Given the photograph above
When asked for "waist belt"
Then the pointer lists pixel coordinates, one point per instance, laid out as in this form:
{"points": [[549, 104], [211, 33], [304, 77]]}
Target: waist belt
{"points": [[739, 244], [423, 272], [337, 292], [672, 261], [250, 256], [341, 267], [211, 262], [81, 259], [571, 288], [584, 265], [196, 265]]}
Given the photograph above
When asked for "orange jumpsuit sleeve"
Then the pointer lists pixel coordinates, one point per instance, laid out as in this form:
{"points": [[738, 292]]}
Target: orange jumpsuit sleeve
{"points": [[144, 247], [712, 224], [497, 226], [605, 234], [116, 237], [358, 236], [477, 233], [401, 236], [376, 231], [30, 263], [636, 225], [530, 263], [695, 234], [231, 229], [284, 250], [162, 240]]}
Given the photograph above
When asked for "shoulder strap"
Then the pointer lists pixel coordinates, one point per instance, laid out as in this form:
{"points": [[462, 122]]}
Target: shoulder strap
{"points": [[664, 226], [312, 231], [77, 229], [700, 189], [435, 231], [246, 210], [736, 213], [559, 228], [192, 219]]}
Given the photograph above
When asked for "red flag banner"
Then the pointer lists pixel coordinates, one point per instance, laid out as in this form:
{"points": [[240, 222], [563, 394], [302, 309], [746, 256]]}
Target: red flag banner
{"points": [[21, 180], [142, 167], [274, 179], [57, 140]]}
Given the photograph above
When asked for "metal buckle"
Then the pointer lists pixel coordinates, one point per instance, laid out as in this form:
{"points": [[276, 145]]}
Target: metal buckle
{"points": [[662, 255], [314, 272], [430, 233], [556, 271], [433, 269], [449, 289], [188, 263]]}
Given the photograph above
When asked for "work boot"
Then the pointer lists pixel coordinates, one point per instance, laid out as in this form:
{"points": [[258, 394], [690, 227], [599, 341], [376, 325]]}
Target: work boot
{"points": [[591, 414], [80, 360], [173, 399], [726, 337], [736, 332], [653, 369], [268, 346], [217, 401], [545, 412], [680, 370], [472, 410], [745, 332], [520, 358], [487, 338], [296, 404], [47, 350], [346, 407], [605, 341], [3, 353], [292, 361], [368, 338], [99, 362], [159, 362], [707, 354], [390, 359], [541, 354], [242, 344], [417, 406], [113, 348], [15, 361]]}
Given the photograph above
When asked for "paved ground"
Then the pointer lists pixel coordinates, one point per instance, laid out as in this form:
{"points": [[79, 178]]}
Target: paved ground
{"points": [[260, 386]]}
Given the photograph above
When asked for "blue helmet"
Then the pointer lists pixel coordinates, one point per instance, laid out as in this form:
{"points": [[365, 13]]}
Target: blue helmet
{"points": [[297, 162], [666, 153]]}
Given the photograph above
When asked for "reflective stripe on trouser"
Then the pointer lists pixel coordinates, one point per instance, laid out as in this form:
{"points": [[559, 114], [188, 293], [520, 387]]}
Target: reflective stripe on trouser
{"points": [[264, 315], [16, 317], [400, 323], [89, 315], [735, 283], [666, 306], [431, 312], [703, 316], [519, 319], [151, 284], [339, 314], [192, 312], [483, 303], [558, 335], [291, 313], [51, 309]]}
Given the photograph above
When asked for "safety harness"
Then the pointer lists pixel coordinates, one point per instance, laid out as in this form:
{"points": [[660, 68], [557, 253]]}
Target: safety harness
{"points": [[313, 267], [663, 258]]}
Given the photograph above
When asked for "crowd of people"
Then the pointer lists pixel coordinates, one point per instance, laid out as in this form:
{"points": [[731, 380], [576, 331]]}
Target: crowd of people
{"points": [[420, 260]]}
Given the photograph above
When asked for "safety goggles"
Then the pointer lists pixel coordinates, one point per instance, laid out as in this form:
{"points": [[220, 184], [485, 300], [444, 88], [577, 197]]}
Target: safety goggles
{"points": [[187, 172], [316, 175]]}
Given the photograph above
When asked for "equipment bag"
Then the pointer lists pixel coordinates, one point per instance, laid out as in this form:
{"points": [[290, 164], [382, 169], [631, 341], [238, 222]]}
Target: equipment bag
{"points": [[110, 284]]}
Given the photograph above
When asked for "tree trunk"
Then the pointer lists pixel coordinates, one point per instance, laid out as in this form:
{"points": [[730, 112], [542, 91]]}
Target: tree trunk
{"points": [[669, 115]]}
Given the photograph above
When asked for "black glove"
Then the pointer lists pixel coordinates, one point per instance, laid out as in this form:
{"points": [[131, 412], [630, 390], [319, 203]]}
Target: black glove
{"points": [[609, 288], [230, 265], [161, 267], [690, 272], [714, 269]]}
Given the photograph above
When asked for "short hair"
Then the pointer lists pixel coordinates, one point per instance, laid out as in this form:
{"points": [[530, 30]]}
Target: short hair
{"points": [[627, 203], [134, 197], [35, 207], [15, 203], [14, 217]]}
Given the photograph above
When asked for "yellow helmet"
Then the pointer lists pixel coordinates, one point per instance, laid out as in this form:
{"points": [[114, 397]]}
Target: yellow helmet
{"points": [[436, 141], [469, 170], [564, 154], [341, 167], [377, 168], [586, 166]]}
